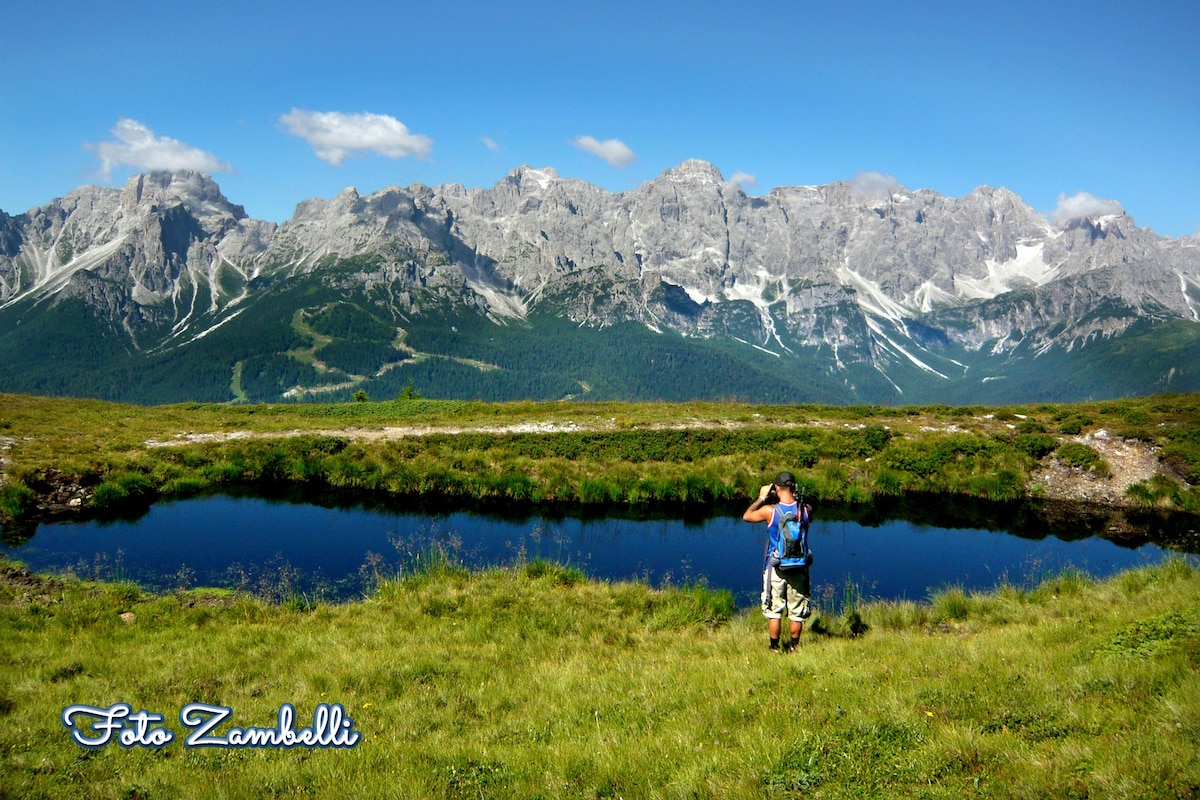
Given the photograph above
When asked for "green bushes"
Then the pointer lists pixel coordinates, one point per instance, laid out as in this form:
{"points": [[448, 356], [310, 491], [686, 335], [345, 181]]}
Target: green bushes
{"points": [[1035, 445], [16, 500], [1147, 637], [929, 455], [1002, 485], [1182, 452], [888, 482], [596, 468], [1135, 416], [1153, 491], [1163, 491], [637, 446], [862, 442], [913, 457], [1072, 421], [1081, 456], [121, 488], [596, 453]]}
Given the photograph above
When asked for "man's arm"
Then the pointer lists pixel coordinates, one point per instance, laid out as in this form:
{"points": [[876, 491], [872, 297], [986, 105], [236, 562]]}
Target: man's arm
{"points": [[759, 511]]}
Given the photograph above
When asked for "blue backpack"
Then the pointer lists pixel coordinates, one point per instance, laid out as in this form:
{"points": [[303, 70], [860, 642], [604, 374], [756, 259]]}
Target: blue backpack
{"points": [[793, 553]]}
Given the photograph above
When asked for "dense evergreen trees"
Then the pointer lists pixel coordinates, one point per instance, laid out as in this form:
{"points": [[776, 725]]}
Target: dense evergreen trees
{"points": [[309, 334]]}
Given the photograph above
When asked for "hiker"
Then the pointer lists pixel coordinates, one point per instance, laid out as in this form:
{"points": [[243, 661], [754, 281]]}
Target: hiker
{"points": [[781, 589]]}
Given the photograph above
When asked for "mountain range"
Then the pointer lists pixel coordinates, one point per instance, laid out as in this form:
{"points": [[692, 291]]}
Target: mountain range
{"points": [[546, 287]]}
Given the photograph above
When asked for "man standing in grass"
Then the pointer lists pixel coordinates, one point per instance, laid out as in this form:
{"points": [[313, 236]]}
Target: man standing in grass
{"points": [[781, 590]]}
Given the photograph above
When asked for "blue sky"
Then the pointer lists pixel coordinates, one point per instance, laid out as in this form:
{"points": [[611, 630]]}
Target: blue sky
{"points": [[282, 102]]}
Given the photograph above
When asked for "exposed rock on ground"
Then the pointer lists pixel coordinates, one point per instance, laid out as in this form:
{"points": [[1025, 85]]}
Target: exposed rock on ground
{"points": [[1129, 462]]}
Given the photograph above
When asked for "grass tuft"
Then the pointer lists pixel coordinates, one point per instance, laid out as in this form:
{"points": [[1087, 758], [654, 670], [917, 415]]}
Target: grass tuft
{"points": [[16, 500]]}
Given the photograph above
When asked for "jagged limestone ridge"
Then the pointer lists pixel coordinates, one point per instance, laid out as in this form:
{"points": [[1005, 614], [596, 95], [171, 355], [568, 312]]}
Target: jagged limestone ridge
{"points": [[822, 265]]}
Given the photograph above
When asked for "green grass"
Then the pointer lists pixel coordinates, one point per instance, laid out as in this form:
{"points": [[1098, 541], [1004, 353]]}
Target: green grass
{"points": [[592, 453], [1082, 457], [533, 681]]}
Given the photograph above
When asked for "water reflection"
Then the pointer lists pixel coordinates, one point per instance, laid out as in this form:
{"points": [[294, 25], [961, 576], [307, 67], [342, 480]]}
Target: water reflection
{"points": [[280, 547]]}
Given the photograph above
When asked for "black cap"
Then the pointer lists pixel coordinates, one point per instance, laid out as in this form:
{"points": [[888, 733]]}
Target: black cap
{"points": [[787, 479]]}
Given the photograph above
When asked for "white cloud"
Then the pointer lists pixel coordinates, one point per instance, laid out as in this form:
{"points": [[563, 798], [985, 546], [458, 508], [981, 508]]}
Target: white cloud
{"points": [[873, 185], [1082, 205], [136, 146], [490, 143], [614, 151], [334, 135], [744, 178]]}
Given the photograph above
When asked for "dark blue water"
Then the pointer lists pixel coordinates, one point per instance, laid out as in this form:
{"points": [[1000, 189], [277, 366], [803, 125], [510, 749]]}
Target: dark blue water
{"points": [[282, 548]]}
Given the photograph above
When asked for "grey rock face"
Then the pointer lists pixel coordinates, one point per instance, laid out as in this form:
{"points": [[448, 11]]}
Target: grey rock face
{"points": [[141, 254], [814, 252], [864, 273]]}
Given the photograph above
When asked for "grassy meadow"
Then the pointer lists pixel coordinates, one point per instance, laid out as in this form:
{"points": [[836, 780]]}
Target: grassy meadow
{"points": [[593, 453], [532, 680]]}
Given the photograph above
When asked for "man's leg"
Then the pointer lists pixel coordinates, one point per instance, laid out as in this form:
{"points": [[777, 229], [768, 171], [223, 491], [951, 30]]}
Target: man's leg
{"points": [[797, 606], [772, 607]]}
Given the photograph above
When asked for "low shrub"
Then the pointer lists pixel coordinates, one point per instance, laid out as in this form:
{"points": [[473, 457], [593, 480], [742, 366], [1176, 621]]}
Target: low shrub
{"points": [[1004, 484], [122, 487], [1035, 445], [16, 499], [1081, 456]]}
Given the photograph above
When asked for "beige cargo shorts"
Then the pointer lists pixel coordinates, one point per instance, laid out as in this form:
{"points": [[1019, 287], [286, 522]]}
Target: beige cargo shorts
{"points": [[789, 590]]}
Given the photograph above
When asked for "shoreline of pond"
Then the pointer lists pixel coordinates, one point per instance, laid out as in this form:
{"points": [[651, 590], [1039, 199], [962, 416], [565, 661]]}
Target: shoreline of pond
{"points": [[1028, 517], [872, 543], [833, 600], [1130, 456]]}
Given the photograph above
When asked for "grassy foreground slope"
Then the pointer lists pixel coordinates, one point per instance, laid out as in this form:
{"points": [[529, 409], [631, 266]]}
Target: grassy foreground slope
{"points": [[84, 453], [531, 681]]}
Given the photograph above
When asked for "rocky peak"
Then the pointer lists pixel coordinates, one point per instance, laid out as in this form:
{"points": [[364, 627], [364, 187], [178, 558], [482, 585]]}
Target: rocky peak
{"points": [[195, 191], [694, 171], [10, 236], [841, 194], [318, 209], [1101, 226], [527, 178]]}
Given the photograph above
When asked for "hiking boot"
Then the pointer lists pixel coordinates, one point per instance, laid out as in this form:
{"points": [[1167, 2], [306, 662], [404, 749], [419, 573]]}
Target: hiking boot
{"points": [[790, 647]]}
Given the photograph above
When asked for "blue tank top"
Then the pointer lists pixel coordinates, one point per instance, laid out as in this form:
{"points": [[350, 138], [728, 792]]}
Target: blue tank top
{"points": [[773, 528]]}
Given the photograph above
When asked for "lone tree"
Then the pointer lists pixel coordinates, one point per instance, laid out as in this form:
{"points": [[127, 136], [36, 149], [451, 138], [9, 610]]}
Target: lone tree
{"points": [[408, 392]]}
